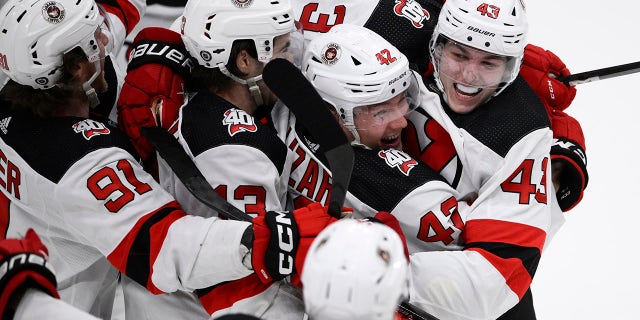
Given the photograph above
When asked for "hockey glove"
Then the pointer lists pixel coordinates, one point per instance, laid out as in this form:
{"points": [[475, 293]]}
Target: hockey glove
{"points": [[390, 221], [23, 264], [283, 238], [569, 159], [153, 93], [540, 68]]}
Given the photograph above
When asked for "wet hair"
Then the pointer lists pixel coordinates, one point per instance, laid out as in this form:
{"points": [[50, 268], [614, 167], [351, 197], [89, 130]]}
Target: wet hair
{"points": [[42, 103], [211, 78]]}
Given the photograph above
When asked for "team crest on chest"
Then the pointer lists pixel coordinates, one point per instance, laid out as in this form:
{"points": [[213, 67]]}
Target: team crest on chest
{"points": [[398, 159], [237, 120], [90, 128], [413, 11]]}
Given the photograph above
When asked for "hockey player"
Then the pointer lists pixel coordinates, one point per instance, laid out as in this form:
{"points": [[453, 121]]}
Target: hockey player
{"points": [[409, 24], [497, 146], [482, 282], [355, 270], [242, 158], [77, 181], [28, 284]]}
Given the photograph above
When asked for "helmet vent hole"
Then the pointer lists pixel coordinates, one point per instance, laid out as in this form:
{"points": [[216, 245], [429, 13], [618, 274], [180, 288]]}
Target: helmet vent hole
{"points": [[355, 61], [487, 44], [21, 15], [393, 91], [469, 38]]}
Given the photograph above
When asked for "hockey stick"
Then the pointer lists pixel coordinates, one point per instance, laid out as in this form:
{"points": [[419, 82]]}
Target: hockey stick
{"points": [[292, 88], [187, 172], [410, 311], [601, 74], [308, 106], [295, 91]]}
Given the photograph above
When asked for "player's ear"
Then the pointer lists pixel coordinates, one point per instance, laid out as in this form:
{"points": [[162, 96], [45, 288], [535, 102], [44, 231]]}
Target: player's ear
{"points": [[244, 62]]}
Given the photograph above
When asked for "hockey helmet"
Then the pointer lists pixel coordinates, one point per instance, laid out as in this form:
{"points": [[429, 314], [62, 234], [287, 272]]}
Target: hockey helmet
{"points": [[34, 35], [498, 27], [210, 27], [355, 270], [352, 68]]}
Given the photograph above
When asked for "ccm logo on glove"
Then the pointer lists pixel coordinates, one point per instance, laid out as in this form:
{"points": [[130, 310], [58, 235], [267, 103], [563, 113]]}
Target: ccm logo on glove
{"points": [[285, 242]]}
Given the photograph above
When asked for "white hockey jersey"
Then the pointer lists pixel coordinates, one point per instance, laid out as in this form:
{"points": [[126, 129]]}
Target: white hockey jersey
{"points": [[468, 260], [77, 184], [245, 163]]}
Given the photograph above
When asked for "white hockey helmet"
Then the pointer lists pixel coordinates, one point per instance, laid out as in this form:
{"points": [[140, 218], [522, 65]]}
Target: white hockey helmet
{"points": [[355, 270], [209, 27], [499, 27], [351, 66], [34, 35]]}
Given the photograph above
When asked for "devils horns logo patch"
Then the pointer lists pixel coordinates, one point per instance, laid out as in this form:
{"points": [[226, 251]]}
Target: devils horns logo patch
{"points": [[398, 159], [411, 10], [53, 12], [90, 128], [237, 120]]}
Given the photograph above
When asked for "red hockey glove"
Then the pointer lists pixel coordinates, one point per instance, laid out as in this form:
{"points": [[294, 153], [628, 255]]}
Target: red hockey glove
{"points": [[153, 89], [568, 159], [23, 264], [390, 221], [540, 68], [283, 238]]}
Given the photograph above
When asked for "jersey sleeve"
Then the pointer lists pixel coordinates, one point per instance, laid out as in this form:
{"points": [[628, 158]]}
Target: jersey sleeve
{"points": [[121, 16], [505, 231], [119, 209]]}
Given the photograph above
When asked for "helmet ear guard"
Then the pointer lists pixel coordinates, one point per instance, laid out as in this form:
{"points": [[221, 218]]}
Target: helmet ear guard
{"points": [[35, 36]]}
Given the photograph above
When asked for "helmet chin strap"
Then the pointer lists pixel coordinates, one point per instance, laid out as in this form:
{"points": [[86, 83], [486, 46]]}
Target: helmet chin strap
{"points": [[91, 91], [356, 137], [252, 83]]}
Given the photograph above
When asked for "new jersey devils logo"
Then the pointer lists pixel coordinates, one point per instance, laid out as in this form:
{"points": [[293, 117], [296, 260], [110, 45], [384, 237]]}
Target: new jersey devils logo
{"points": [[237, 120], [411, 10], [90, 128], [398, 159]]}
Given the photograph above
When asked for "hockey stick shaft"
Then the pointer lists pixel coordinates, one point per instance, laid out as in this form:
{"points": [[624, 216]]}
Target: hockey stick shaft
{"points": [[601, 74], [299, 95], [177, 158]]}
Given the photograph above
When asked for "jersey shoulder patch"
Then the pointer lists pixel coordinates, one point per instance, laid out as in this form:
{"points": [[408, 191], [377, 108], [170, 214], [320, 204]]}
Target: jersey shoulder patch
{"points": [[208, 121], [52, 145], [382, 178]]}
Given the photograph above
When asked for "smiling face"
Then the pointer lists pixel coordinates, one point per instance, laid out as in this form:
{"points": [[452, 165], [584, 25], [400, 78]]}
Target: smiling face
{"points": [[469, 76], [379, 125]]}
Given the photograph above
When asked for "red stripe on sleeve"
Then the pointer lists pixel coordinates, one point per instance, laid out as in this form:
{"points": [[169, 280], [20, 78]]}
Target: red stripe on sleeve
{"points": [[487, 230], [119, 256], [225, 295], [514, 273]]}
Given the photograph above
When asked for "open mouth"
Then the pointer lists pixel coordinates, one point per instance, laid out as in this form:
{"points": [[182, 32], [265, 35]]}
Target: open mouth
{"points": [[391, 141], [466, 90]]}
